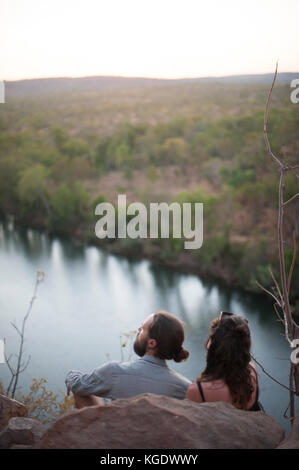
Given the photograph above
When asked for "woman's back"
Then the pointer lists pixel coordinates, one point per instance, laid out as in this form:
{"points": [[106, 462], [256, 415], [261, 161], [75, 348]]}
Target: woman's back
{"points": [[217, 390]]}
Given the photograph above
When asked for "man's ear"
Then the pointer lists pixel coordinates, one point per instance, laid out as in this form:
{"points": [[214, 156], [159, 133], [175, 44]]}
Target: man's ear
{"points": [[151, 343]]}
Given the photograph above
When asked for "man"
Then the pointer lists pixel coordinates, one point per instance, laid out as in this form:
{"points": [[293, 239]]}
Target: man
{"points": [[159, 338]]}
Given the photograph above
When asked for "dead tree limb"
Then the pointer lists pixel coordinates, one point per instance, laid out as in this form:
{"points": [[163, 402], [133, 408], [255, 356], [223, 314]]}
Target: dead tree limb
{"points": [[20, 366], [291, 328]]}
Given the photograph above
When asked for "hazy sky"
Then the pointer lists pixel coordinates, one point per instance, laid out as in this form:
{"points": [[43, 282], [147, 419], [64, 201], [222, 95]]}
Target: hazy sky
{"points": [[152, 38]]}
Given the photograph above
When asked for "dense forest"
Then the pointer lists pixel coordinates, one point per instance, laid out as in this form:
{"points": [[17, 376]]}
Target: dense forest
{"points": [[64, 151]]}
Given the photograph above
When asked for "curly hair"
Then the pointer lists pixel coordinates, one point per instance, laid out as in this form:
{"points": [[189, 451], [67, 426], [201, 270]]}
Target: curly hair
{"points": [[228, 357]]}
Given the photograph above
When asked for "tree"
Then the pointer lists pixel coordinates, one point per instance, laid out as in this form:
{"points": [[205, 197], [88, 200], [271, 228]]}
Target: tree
{"points": [[75, 148], [32, 187], [281, 289], [175, 151], [9, 174], [70, 207], [60, 136]]}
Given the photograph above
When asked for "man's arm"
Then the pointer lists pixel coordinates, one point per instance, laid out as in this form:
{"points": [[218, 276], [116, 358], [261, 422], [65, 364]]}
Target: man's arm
{"points": [[98, 382]]}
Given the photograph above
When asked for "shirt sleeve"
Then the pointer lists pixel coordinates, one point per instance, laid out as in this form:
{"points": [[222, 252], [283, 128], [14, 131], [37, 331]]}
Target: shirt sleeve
{"points": [[98, 382]]}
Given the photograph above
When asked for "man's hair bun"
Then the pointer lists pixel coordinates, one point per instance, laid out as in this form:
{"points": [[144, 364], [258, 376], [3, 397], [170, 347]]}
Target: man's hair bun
{"points": [[180, 356]]}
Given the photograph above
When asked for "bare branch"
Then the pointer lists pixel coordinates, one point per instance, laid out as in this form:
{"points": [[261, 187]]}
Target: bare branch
{"points": [[285, 412], [279, 317], [292, 167], [293, 262], [26, 365], [20, 367], [15, 326], [268, 292], [276, 285], [10, 384], [270, 376], [286, 302], [7, 360], [291, 199], [276, 160]]}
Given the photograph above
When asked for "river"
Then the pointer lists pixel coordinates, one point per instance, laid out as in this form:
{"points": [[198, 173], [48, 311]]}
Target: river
{"points": [[90, 297]]}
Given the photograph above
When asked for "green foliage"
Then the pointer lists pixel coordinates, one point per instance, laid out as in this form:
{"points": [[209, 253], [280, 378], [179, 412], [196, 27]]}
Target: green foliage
{"points": [[60, 136], [237, 176], [174, 150], [97, 200], [9, 175], [254, 266], [151, 173], [70, 207], [32, 188], [215, 248], [210, 203], [260, 194], [75, 148]]}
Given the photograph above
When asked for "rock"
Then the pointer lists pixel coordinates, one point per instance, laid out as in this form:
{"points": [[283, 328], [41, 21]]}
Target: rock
{"points": [[10, 408], [20, 446], [150, 421], [292, 439], [21, 431]]}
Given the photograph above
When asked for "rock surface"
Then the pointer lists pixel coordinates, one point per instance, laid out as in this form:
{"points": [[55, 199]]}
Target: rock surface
{"points": [[10, 408], [151, 421], [21, 431], [292, 439]]}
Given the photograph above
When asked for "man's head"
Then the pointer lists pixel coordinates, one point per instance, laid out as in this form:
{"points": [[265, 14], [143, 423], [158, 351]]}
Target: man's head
{"points": [[161, 335]]}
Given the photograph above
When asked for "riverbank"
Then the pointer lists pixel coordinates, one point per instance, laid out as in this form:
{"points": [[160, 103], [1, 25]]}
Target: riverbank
{"points": [[52, 181]]}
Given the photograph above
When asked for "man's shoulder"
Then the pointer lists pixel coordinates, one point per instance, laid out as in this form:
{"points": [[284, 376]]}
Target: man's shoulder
{"points": [[180, 377], [141, 367], [119, 366]]}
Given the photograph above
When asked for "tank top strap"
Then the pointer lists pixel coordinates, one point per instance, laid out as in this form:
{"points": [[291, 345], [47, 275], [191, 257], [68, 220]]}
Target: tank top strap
{"points": [[201, 391]]}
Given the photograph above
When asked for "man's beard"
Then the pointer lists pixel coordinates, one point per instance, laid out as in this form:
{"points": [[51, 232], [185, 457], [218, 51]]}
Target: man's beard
{"points": [[140, 346]]}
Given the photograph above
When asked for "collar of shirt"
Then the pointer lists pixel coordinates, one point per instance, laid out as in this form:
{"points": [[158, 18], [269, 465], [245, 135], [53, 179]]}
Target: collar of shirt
{"points": [[154, 360]]}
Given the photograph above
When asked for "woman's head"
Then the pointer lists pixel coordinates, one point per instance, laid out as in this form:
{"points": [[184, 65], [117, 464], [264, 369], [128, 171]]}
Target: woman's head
{"points": [[228, 356]]}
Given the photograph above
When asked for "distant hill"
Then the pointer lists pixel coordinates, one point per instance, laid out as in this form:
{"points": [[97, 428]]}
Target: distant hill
{"points": [[265, 78], [36, 86]]}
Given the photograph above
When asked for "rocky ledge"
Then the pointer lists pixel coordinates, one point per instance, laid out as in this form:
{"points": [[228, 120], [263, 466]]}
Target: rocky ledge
{"points": [[146, 421]]}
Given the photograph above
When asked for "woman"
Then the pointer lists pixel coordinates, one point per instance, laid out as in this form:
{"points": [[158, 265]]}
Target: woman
{"points": [[229, 375]]}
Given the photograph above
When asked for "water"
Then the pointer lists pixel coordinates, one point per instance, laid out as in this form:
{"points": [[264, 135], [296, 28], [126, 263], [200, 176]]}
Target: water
{"points": [[90, 297]]}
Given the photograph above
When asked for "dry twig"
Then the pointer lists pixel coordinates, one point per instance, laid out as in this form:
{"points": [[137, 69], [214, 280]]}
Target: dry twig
{"points": [[20, 366]]}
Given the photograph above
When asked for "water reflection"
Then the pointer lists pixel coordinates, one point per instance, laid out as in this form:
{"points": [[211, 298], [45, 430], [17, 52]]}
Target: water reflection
{"points": [[90, 297]]}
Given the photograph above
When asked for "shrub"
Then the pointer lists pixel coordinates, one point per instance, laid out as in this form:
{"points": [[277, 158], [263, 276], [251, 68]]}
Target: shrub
{"points": [[42, 403]]}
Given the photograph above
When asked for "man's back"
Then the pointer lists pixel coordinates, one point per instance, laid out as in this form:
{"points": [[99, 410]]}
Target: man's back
{"points": [[116, 379]]}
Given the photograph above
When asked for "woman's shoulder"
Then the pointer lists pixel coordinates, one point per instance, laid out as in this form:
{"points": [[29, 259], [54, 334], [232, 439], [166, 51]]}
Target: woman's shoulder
{"points": [[253, 370], [216, 386]]}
